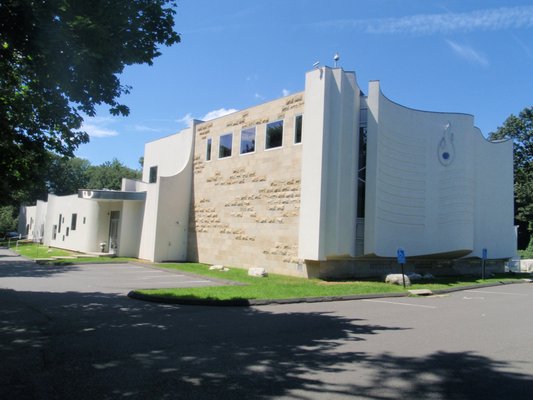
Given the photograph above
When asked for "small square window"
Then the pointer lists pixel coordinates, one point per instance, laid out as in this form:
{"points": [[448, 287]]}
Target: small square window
{"points": [[298, 129], [153, 175], [274, 135], [208, 153], [224, 149], [248, 140]]}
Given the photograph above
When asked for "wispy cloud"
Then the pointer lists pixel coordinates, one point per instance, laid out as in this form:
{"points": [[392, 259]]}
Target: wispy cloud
{"points": [[428, 24], [144, 128], [285, 92], [188, 118], [468, 53], [258, 96], [98, 127]]}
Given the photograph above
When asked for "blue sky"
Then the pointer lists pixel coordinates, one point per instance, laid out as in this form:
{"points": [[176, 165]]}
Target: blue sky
{"points": [[470, 56]]}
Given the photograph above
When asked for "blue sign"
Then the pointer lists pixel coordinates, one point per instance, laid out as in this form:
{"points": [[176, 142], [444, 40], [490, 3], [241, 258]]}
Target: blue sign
{"points": [[484, 253], [401, 255]]}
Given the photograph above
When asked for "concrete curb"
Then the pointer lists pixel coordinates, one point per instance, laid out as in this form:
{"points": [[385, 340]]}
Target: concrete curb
{"points": [[251, 302]]}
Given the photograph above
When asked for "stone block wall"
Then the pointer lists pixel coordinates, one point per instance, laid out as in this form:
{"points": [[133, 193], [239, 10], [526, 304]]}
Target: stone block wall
{"points": [[245, 208]]}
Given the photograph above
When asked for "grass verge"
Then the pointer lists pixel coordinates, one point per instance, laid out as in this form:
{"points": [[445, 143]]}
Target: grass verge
{"points": [[35, 250], [285, 287]]}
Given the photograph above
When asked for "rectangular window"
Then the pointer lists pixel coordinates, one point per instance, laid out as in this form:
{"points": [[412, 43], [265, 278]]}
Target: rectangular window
{"points": [[224, 149], [208, 154], [83, 220], [248, 140], [153, 175], [67, 231], [73, 222], [274, 135], [59, 224], [298, 129], [54, 232]]}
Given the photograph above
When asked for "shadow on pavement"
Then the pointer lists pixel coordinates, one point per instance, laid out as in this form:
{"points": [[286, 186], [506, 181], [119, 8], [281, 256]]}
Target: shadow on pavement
{"points": [[100, 346], [30, 269]]}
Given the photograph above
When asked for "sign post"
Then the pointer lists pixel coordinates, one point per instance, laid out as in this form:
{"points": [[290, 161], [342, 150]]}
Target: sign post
{"points": [[401, 260], [483, 258]]}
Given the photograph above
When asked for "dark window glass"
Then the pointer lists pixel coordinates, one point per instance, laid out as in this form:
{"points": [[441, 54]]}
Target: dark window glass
{"points": [[59, 224], [248, 140], [73, 222], [298, 129], [224, 149], [274, 135], [208, 155], [153, 175], [361, 175]]}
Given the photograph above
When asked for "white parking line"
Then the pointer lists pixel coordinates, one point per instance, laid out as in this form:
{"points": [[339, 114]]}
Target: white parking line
{"points": [[398, 303], [486, 291], [161, 276]]}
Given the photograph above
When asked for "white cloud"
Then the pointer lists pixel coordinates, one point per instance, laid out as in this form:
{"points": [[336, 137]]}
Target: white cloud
{"points": [[468, 53], [285, 92], [217, 113], [258, 96], [97, 127], [188, 118], [428, 24]]}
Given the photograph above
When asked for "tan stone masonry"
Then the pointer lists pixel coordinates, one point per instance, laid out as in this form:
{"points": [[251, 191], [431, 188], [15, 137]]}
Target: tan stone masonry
{"points": [[245, 209]]}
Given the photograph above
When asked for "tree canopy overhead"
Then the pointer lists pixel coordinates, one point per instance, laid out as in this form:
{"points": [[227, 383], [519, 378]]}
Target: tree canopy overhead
{"points": [[59, 59]]}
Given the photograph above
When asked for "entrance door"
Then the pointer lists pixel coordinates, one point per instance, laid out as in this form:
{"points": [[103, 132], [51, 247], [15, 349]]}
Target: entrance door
{"points": [[113, 231]]}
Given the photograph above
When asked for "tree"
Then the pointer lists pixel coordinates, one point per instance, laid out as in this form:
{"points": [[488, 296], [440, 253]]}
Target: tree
{"points": [[8, 222], [67, 175], [520, 130], [59, 59], [109, 175]]}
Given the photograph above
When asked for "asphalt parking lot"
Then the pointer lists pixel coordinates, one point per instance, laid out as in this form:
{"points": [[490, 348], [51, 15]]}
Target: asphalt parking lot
{"points": [[70, 342], [20, 274]]}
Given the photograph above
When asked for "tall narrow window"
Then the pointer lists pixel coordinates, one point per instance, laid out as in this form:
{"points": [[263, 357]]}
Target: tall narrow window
{"points": [[59, 223], [361, 174], [153, 175], [274, 135], [298, 129], [73, 222], [208, 151], [224, 149], [248, 140]]}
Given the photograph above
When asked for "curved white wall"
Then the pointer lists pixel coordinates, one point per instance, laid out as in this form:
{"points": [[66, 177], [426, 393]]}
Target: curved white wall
{"points": [[166, 212], [425, 190]]}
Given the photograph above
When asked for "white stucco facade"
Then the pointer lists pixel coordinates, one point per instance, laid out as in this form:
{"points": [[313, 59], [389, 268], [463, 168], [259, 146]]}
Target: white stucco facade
{"points": [[325, 182]]}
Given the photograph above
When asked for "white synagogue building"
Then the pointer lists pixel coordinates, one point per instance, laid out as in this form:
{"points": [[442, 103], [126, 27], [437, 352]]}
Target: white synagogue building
{"points": [[328, 182]]}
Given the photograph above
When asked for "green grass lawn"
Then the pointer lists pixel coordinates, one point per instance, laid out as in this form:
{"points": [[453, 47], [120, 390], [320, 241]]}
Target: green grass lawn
{"points": [[284, 287], [35, 250], [271, 287]]}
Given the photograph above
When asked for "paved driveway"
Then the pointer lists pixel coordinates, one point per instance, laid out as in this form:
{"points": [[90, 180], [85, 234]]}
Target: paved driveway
{"points": [[20, 274], [79, 345]]}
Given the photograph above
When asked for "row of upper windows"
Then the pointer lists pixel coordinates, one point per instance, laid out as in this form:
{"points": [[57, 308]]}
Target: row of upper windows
{"points": [[273, 139]]}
